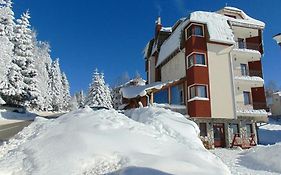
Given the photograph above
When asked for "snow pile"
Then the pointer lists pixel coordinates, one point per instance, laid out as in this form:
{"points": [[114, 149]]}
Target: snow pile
{"points": [[252, 112], [7, 115], [264, 157], [270, 133], [249, 78], [104, 141]]}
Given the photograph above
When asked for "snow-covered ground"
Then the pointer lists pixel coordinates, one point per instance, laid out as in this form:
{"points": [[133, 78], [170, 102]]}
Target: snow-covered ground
{"points": [[7, 115], [261, 160], [154, 141], [270, 133]]}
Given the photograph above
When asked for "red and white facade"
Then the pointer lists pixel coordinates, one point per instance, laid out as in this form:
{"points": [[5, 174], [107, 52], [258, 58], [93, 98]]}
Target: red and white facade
{"points": [[215, 62]]}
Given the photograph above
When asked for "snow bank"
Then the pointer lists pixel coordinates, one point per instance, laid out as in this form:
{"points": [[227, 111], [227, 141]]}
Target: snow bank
{"points": [[99, 142], [264, 158], [270, 133], [7, 115]]}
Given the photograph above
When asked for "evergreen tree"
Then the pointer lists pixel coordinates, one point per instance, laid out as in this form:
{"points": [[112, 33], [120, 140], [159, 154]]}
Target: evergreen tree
{"points": [[74, 103], [7, 18], [65, 93], [42, 61], [21, 82], [55, 90], [99, 94], [80, 99], [6, 46]]}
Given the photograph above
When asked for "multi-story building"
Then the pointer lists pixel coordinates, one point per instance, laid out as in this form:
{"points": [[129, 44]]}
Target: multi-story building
{"points": [[215, 62]]}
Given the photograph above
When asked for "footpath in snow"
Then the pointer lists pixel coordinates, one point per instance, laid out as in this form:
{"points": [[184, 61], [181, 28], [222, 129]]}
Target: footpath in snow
{"points": [[260, 160], [150, 141]]}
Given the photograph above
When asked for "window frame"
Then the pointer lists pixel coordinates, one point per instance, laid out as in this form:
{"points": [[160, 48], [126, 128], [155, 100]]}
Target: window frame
{"points": [[196, 97], [193, 57], [191, 26], [249, 96], [237, 127]]}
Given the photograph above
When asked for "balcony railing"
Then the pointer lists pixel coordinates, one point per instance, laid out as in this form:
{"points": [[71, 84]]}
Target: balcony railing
{"points": [[251, 73], [247, 45]]}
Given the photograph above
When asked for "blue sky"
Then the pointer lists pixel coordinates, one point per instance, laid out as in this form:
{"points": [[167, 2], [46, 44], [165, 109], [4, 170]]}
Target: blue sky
{"points": [[111, 34]]}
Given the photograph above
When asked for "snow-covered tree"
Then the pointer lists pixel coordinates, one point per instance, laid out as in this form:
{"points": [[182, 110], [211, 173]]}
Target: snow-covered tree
{"points": [[42, 61], [56, 89], [73, 103], [21, 82], [7, 18], [6, 46], [80, 98], [99, 94], [65, 92]]}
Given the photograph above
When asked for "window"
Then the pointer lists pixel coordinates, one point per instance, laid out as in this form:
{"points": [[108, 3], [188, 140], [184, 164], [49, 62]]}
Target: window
{"points": [[249, 130], [203, 129], [177, 96], [198, 30], [194, 30], [234, 128], [247, 98], [241, 43], [244, 69], [198, 91], [196, 59], [161, 96]]}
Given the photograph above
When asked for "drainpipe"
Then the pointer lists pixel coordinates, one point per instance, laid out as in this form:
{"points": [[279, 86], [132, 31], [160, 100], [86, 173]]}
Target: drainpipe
{"points": [[233, 84]]}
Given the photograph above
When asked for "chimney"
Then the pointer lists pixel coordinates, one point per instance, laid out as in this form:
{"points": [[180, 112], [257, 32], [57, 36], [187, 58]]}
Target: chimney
{"points": [[158, 26]]}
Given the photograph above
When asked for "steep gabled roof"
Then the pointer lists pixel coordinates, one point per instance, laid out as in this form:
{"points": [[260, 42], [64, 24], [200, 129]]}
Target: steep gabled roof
{"points": [[219, 29]]}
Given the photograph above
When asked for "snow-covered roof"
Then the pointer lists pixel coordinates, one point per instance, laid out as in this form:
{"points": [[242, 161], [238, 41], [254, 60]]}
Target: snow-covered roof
{"points": [[166, 29], [246, 21], [140, 91], [171, 44], [218, 27], [277, 38], [277, 93]]}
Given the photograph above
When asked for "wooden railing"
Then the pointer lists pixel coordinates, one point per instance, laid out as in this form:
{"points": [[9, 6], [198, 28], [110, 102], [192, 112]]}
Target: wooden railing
{"points": [[243, 142]]}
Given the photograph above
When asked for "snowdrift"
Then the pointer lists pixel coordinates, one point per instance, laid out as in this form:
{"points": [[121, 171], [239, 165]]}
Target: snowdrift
{"points": [[8, 115], [155, 141], [264, 158]]}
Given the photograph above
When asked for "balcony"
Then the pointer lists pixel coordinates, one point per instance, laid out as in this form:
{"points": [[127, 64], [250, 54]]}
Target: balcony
{"points": [[249, 111], [250, 77], [246, 50]]}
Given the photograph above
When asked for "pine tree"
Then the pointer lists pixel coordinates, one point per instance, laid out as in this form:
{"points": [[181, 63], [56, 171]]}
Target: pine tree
{"points": [[65, 93], [99, 94], [6, 46], [42, 61], [73, 103], [55, 90], [7, 18], [80, 99], [21, 84]]}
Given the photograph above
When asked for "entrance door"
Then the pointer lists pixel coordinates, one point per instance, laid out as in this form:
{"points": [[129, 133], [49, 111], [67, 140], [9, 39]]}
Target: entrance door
{"points": [[219, 135]]}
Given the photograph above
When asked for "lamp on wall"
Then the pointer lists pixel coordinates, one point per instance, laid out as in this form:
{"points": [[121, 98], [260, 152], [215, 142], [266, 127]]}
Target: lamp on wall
{"points": [[277, 38]]}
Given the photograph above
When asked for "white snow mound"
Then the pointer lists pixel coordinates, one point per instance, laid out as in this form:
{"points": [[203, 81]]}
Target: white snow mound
{"points": [[264, 158], [106, 142]]}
